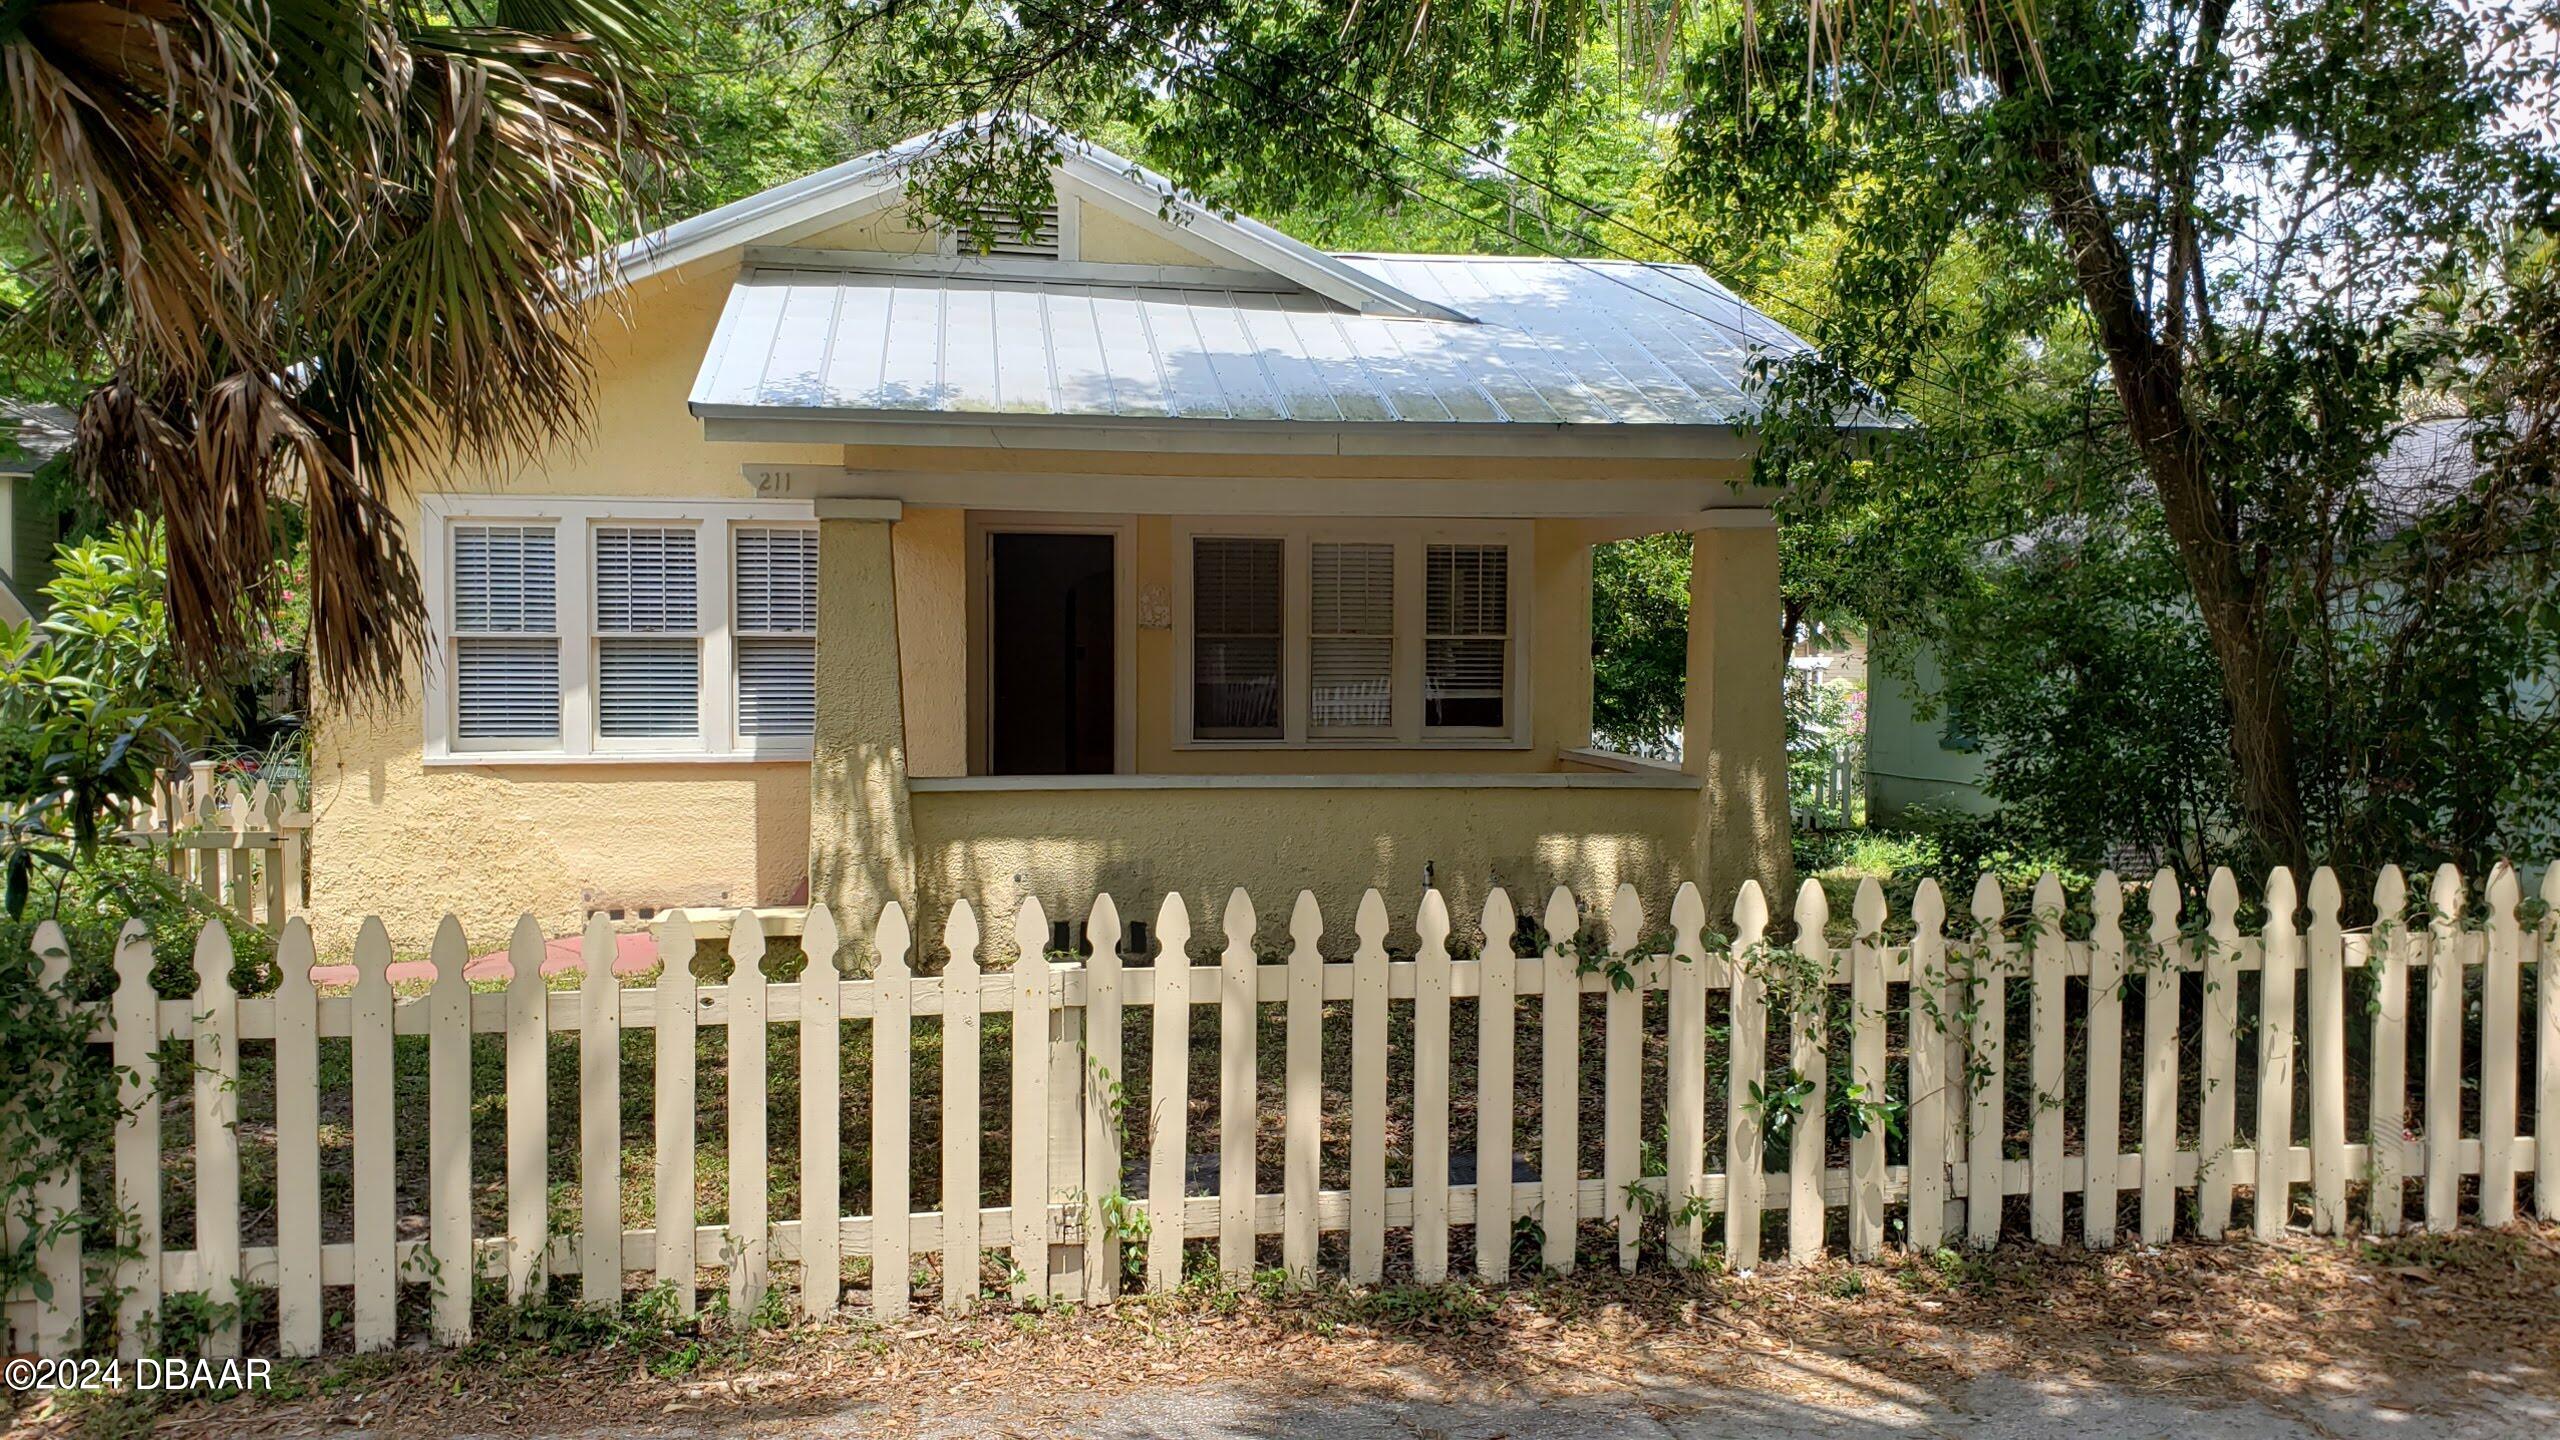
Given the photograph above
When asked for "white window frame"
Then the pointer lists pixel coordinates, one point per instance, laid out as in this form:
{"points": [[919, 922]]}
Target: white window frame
{"points": [[1410, 537], [576, 519]]}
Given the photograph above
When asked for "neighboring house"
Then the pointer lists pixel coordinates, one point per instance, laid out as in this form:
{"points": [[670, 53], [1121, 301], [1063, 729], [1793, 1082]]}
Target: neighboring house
{"points": [[1938, 763], [1158, 552], [1934, 764], [30, 436]]}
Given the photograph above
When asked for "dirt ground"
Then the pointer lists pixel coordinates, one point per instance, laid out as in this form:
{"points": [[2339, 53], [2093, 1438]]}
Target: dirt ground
{"points": [[2440, 1335]]}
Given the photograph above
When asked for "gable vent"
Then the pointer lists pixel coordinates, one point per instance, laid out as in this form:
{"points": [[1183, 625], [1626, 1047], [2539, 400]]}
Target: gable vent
{"points": [[1000, 231]]}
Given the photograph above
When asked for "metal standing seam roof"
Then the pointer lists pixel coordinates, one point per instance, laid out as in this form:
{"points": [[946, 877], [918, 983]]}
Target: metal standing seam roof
{"points": [[1546, 342]]}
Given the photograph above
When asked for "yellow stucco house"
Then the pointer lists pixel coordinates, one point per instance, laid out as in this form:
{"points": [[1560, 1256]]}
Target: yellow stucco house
{"points": [[1155, 551]]}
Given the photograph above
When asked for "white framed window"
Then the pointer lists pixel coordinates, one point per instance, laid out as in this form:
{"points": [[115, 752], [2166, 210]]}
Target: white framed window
{"points": [[602, 629], [1391, 633], [506, 635], [648, 623], [776, 623]]}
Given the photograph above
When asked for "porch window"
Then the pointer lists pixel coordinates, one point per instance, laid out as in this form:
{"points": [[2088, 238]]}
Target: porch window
{"points": [[776, 571], [506, 638], [648, 632], [1466, 664], [1236, 637], [1384, 633], [1351, 638]]}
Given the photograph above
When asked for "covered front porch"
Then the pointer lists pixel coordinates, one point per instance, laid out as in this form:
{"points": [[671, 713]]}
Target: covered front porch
{"points": [[1041, 696]]}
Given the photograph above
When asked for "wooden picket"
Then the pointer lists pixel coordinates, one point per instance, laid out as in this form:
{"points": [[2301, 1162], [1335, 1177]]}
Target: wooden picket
{"points": [[1078, 1182]]}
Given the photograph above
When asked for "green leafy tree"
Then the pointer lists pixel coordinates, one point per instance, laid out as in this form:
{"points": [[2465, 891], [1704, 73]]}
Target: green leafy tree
{"points": [[95, 703], [2238, 202]]}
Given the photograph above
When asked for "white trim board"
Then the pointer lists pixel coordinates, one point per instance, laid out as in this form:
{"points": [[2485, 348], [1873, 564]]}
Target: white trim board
{"points": [[1644, 505]]}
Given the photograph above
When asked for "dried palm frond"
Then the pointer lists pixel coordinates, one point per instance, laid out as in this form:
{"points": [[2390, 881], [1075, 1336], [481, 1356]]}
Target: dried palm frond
{"points": [[312, 247]]}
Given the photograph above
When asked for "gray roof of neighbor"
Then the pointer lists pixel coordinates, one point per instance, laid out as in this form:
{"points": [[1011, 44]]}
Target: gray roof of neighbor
{"points": [[1541, 341], [31, 434]]}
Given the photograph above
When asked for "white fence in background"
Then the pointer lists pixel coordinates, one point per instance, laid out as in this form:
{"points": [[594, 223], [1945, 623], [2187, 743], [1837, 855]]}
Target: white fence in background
{"points": [[244, 846], [1926, 1022]]}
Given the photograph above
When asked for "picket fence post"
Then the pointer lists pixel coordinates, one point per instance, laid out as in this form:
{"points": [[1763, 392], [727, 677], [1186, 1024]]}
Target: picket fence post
{"points": [[1987, 1072], [2160, 987], [822, 1109], [1808, 1064], [963, 1112], [454, 1263], [1499, 973], [2327, 1044], [2387, 1197], [1169, 1092], [1746, 1073], [1622, 1095], [675, 1102], [1239, 1017], [2445, 939], [137, 1145], [2102, 1194], [1559, 1051], [750, 1235], [1685, 1089], [298, 1145], [1431, 990], [1933, 1006], [2500, 979], [1866, 1070], [1368, 1250], [2279, 945], [1034, 990]]}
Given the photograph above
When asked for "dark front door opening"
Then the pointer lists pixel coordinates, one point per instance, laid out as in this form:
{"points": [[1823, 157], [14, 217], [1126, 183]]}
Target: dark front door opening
{"points": [[1051, 668]]}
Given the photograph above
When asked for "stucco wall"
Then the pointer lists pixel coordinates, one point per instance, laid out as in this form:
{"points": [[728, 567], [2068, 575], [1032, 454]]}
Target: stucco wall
{"points": [[396, 837], [993, 848]]}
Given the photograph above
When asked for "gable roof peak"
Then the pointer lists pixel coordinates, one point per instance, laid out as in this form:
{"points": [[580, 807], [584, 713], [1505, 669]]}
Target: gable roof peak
{"points": [[776, 216]]}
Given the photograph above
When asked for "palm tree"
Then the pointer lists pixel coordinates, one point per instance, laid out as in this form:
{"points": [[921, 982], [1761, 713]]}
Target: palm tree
{"points": [[300, 246]]}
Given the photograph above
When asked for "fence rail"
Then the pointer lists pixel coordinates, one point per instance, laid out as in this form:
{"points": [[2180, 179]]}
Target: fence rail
{"points": [[2154, 1021]]}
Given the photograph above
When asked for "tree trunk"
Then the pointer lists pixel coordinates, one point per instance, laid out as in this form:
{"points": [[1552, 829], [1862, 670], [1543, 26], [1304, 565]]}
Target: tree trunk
{"points": [[2149, 382]]}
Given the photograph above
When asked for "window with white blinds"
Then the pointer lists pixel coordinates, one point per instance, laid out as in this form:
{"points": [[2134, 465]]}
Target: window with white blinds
{"points": [[648, 594], [1351, 629], [1394, 632], [774, 571], [506, 638], [1466, 655], [1236, 637]]}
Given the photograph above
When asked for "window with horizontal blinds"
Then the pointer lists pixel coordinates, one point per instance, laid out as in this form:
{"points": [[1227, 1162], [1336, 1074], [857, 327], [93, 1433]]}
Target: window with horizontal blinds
{"points": [[775, 577], [1466, 658], [1351, 626], [1236, 637], [506, 642], [648, 604]]}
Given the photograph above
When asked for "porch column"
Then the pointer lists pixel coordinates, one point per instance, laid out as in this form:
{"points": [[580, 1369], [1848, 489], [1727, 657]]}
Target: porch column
{"points": [[1733, 732], [862, 843]]}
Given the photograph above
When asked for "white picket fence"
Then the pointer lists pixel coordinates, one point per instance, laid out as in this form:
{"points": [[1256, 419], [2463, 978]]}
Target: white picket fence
{"points": [[1959, 1112], [243, 845]]}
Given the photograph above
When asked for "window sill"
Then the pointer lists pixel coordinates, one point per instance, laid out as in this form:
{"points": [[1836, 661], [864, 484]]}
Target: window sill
{"points": [[1354, 742], [1533, 780], [482, 759]]}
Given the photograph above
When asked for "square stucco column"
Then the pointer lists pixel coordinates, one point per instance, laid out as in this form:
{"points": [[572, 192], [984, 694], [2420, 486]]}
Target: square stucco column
{"points": [[862, 839], [1734, 720]]}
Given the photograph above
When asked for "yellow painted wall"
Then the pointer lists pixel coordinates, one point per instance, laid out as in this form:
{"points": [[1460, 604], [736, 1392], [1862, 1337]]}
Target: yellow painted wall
{"points": [[1138, 844], [394, 837], [931, 561], [1106, 238]]}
